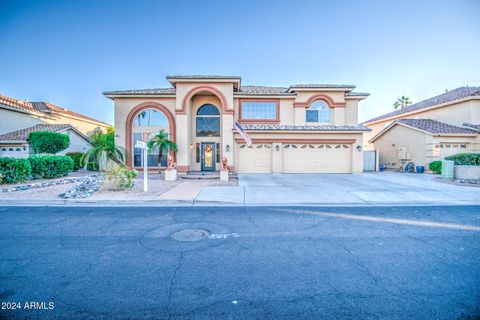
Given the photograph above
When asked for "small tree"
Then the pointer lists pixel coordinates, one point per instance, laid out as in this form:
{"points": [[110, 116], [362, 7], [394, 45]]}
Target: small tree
{"points": [[104, 146], [402, 102], [160, 141], [48, 142]]}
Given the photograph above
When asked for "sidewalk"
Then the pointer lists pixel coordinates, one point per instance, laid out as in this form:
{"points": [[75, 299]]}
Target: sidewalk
{"points": [[375, 189]]}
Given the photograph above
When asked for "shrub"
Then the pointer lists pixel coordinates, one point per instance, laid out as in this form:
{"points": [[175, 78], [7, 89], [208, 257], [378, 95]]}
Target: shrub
{"points": [[119, 178], [92, 166], [14, 170], [78, 159], [435, 166], [48, 142], [465, 159], [50, 166]]}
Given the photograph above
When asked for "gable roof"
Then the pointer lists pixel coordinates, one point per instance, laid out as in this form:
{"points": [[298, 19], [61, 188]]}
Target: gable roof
{"points": [[22, 134], [429, 126], [472, 126], [239, 90], [44, 109], [449, 96]]}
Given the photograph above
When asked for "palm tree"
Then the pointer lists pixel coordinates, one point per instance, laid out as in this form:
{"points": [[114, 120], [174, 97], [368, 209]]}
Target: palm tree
{"points": [[141, 115], [160, 141], [104, 148], [402, 102]]}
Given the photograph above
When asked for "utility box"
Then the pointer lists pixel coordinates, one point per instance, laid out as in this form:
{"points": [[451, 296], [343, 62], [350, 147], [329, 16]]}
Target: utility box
{"points": [[447, 169]]}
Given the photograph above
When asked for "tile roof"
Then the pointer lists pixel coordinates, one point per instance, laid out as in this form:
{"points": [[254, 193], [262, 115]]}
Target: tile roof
{"points": [[357, 94], [435, 127], [321, 85], [201, 76], [157, 91], [262, 90], [280, 127], [472, 126], [449, 96], [22, 134], [15, 103], [44, 108]]}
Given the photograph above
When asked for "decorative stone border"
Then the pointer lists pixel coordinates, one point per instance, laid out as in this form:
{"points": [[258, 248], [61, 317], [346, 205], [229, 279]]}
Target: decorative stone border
{"points": [[89, 186], [44, 184]]}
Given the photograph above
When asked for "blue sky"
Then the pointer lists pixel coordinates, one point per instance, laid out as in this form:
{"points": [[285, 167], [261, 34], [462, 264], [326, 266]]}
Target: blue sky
{"points": [[68, 52]]}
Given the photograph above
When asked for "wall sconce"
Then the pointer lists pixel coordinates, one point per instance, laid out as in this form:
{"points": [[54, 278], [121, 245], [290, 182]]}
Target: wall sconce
{"points": [[359, 148], [190, 147], [227, 148], [277, 147]]}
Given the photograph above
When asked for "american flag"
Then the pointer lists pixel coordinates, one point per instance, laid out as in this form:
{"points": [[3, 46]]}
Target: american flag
{"points": [[244, 135]]}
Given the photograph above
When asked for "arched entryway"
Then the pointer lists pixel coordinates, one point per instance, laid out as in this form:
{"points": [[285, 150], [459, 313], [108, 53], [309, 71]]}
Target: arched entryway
{"points": [[143, 122], [206, 136]]}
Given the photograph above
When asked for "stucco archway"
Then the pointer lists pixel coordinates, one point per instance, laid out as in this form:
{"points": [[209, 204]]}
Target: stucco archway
{"points": [[129, 123]]}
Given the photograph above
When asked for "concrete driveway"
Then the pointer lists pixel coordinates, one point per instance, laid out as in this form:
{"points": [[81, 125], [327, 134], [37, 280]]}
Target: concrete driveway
{"points": [[341, 189]]}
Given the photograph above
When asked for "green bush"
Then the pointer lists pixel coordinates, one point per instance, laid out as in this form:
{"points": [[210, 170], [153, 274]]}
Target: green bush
{"points": [[14, 170], [435, 166], [50, 166], [92, 166], [465, 159], [78, 159], [48, 142], [119, 178]]}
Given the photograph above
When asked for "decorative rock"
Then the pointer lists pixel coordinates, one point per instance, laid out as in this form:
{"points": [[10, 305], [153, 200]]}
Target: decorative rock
{"points": [[89, 186]]}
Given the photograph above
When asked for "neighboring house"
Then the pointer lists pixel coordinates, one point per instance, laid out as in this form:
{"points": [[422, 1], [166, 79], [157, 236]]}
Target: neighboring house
{"points": [[428, 130], [15, 144], [299, 129], [19, 114]]}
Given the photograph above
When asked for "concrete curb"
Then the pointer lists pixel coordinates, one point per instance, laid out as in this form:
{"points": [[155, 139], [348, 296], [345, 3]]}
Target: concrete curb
{"points": [[199, 203]]}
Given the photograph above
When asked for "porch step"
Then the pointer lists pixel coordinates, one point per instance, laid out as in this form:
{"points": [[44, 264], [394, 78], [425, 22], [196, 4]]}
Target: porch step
{"points": [[204, 175]]}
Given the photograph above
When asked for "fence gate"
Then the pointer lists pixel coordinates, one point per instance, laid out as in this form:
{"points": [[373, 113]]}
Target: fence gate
{"points": [[369, 160]]}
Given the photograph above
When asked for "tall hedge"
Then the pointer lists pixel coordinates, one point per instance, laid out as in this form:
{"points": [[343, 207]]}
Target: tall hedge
{"points": [[50, 166], [78, 159], [48, 142], [14, 170], [465, 159]]}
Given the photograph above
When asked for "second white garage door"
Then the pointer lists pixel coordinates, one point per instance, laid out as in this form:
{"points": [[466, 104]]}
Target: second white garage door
{"points": [[255, 159], [317, 158]]}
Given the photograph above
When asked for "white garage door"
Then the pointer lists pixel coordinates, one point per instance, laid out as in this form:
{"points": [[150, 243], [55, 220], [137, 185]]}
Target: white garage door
{"points": [[255, 159], [317, 158]]}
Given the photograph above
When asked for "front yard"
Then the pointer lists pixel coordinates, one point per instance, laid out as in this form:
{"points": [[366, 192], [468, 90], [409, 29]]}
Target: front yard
{"points": [[258, 189]]}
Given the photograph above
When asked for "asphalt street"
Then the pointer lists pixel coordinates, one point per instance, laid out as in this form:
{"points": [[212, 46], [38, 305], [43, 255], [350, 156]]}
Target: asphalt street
{"points": [[240, 263]]}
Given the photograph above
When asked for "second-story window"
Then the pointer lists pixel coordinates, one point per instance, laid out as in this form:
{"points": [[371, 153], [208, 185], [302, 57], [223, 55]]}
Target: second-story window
{"points": [[259, 110], [319, 111]]}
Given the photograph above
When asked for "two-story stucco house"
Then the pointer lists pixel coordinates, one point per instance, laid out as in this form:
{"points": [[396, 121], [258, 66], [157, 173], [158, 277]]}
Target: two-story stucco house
{"points": [[429, 130], [299, 129]]}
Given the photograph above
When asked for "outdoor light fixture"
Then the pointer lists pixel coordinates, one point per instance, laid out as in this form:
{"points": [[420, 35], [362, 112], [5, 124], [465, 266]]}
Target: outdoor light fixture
{"points": [[277, 147], [359, 148], [227, 148], [190, 147]]}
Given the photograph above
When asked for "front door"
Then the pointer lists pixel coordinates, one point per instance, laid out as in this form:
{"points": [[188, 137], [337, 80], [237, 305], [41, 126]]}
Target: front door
{"points": [[208, 156]]}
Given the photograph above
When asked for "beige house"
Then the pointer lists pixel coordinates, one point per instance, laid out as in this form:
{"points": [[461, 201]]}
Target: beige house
{"points": [[302, 128], [18, 118], [428, 130], [15, 144]]}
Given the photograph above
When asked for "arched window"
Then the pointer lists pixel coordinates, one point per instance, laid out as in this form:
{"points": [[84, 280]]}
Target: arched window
{"points": [[319, 111], [208, 121], [146, 124]]}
